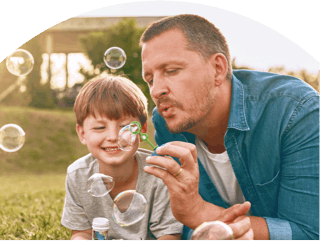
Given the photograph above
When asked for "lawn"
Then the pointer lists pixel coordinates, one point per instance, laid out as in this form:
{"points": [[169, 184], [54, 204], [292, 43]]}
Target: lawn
{"points": [[31, 207]]}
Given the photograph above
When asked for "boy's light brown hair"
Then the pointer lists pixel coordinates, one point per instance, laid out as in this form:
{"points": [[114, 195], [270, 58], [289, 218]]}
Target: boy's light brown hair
{"points": [[111, 96]]}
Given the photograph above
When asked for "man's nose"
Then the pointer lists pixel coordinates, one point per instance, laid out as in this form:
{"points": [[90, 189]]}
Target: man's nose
{"points": [[159, 88]]}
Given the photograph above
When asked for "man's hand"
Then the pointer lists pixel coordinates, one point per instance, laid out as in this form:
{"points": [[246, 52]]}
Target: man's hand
{"points": [[240, 224], [186, 203]]}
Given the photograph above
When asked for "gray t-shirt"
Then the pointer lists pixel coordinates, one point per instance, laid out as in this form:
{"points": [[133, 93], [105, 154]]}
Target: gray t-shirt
{"points": [[81, 208]]}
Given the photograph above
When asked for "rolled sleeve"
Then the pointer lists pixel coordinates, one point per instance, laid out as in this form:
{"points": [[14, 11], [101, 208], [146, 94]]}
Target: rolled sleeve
{"points": [[279, 229]]}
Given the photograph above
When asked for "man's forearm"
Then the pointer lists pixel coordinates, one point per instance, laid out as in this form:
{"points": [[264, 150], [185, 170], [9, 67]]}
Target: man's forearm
{"points": [[259, 227]]}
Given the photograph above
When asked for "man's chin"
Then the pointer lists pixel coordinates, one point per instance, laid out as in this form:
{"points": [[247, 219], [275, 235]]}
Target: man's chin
{"points": [[176, 128]]}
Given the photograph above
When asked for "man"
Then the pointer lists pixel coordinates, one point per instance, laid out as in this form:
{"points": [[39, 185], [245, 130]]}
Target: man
{"points": [[238, 135]]}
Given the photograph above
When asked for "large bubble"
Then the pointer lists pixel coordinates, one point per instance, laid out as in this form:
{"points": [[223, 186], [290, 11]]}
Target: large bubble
{"points": [[99, 185], [215, 230], [20, 62], [115, 58], [127, 136], [129, 207], [12, 137]]}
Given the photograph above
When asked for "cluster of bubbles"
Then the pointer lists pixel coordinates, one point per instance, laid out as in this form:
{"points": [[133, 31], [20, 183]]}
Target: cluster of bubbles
{"points": [[20, 63], [12, 136], [129, 207]]}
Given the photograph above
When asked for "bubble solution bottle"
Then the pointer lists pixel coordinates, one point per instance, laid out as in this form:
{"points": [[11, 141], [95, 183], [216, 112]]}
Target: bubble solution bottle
{"points": [[100, 228]]}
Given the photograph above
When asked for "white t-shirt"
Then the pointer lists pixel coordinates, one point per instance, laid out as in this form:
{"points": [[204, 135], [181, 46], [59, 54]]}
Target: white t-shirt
{"points": [[81, 208], [220, 171]]}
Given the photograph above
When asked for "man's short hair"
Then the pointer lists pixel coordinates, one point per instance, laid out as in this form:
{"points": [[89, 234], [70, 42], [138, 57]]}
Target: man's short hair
{"points": [[201, 35], [111, 96]]}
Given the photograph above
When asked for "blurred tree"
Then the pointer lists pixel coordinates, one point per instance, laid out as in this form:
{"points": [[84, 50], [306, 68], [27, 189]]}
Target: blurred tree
{"points": [[125, 35], [35, 93], [236, 66], [41, 94]]}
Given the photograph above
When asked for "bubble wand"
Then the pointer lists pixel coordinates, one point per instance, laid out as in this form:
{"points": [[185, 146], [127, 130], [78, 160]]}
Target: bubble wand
{"points": [[144, 136]]}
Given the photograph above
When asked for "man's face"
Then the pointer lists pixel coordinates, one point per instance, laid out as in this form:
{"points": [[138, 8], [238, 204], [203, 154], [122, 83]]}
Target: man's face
{"points": [[181, 83]]}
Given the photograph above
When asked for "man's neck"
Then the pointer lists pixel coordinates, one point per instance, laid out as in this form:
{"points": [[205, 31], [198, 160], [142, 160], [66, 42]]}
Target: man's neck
{"points": [[212, 129]]}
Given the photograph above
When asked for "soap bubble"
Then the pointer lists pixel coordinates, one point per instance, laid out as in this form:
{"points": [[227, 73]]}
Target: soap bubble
{"points": [[129, 207], [215, 230], [99, 185], [115, 58], [20, 62], [127, 136], [12, 137]]}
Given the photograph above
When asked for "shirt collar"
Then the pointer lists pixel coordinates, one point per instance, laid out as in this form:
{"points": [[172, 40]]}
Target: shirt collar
{"points": [[237, 117]]}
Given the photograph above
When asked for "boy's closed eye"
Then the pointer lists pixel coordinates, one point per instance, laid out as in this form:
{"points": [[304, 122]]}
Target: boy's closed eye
{"points": [[99, 128]]}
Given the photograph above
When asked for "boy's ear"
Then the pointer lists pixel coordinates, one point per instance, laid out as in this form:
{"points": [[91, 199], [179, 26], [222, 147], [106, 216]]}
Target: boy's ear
{"points": [[144, 129], [81, 134]]}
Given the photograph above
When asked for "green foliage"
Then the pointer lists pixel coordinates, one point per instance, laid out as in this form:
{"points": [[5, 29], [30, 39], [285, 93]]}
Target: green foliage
{"points": [[37, 94], [126, 35], [41, 94], [31, 207]]}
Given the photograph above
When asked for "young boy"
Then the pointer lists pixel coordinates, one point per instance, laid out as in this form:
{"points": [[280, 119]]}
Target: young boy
{"points": [[103, 106]]}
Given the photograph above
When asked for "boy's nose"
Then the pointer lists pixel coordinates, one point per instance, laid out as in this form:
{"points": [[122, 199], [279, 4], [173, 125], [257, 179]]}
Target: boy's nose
{"points": [[112, 136]]}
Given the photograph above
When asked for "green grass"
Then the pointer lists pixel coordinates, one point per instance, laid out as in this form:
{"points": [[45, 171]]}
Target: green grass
{"points": [[31, 207]]}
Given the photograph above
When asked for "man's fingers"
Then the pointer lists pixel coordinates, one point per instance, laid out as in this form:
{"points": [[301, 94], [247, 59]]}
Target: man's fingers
{"points": [[241, 227], [230, 214], [165, 162], [166, 177], [247, 236], [185, 152]]}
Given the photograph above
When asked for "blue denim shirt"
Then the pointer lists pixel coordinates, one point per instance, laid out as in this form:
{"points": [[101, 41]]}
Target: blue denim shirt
{"points": [[273, 144]]}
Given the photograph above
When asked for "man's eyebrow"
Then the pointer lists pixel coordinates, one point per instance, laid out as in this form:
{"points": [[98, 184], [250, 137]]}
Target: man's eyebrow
{"points": [[145, 75]]}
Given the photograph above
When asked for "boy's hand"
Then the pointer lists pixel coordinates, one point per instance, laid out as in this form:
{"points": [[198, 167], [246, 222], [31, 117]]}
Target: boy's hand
{"points": [[82, 235]]}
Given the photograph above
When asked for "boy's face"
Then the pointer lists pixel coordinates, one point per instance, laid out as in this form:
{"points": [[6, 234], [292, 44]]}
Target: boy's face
{"points": [[100, 135]]}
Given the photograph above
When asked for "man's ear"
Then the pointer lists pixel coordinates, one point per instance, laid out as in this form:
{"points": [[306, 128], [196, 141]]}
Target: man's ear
{"points": [[81, 134], [220, 63], [144, 129]]}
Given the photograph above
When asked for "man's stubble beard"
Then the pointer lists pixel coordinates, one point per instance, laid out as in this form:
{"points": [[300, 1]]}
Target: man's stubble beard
{"points": [[190, 121]]}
